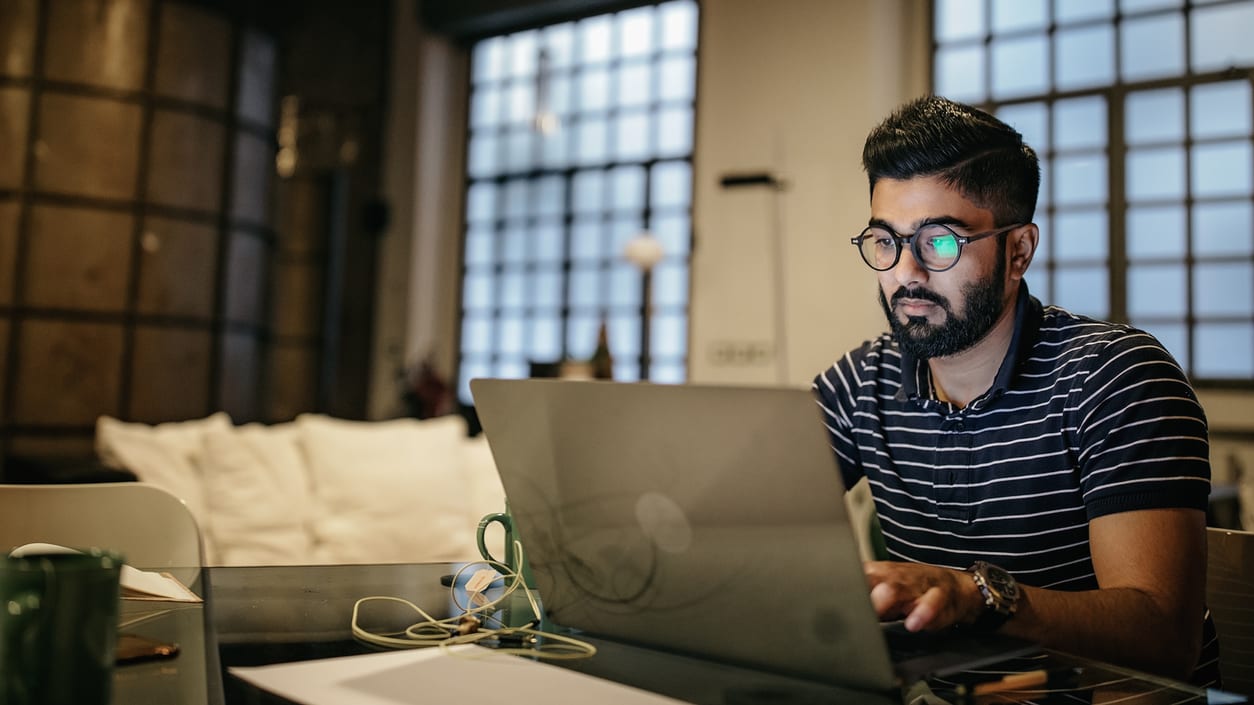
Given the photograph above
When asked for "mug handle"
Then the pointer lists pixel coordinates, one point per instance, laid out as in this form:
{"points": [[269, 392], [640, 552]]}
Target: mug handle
{"points": [[508, 525]]}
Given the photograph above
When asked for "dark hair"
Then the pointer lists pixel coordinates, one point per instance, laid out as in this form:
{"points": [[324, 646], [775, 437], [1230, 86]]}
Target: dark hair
{"points": [[981, 156]]}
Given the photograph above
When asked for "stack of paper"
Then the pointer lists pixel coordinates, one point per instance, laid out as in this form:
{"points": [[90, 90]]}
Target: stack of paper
{"points": [[463, 674]]}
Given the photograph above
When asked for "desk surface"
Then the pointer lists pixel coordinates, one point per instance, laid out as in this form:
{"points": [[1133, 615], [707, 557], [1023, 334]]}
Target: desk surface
{"points": [[265, 615]]}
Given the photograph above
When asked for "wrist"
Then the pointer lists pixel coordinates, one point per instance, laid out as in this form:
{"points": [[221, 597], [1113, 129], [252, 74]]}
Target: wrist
{"points": [[973, 599], [998, 595]]}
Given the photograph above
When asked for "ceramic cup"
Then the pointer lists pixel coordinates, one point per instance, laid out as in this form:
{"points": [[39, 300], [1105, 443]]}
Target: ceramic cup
{"points": [[58, 628]]}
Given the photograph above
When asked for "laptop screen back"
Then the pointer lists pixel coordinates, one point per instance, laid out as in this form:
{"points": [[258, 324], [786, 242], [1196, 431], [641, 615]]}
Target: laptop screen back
{"points": [[704, 519]]}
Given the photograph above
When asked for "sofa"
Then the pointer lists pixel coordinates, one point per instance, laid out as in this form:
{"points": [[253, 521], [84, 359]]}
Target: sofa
{"points": [[318, 490]]}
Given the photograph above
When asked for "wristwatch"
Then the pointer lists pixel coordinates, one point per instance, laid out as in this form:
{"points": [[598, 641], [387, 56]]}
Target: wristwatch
{"points": [[1001, 595]]}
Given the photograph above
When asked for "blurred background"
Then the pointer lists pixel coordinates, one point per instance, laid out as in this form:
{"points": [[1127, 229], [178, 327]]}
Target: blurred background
{"points": [[355, 207]]}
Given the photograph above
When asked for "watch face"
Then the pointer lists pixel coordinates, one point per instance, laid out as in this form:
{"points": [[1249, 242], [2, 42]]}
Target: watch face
{"points": [[1002, 583]]}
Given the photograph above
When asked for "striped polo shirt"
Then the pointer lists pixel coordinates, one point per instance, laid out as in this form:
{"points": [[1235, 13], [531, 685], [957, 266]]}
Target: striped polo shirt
{"points": [[1085, 418]]}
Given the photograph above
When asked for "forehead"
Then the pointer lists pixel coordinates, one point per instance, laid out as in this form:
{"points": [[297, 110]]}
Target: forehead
{"points": [[906, 203]]}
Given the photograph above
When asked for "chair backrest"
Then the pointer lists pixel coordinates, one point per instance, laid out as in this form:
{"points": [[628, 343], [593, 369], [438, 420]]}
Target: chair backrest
{"points": [[1230, 596], [151, 528]]}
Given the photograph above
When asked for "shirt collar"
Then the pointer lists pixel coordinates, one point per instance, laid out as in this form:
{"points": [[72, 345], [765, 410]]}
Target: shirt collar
{"points": [[915, 374]]}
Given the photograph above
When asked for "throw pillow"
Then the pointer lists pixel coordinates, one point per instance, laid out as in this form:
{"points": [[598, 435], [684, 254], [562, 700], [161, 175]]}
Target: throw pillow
{"points": [[257, 492], [166, 455], [388, 491]]}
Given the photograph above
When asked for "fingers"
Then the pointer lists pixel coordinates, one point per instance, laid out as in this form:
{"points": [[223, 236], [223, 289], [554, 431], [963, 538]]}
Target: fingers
{"points": [[927, 611], [892, 600], [884, 600], [926, 596]]}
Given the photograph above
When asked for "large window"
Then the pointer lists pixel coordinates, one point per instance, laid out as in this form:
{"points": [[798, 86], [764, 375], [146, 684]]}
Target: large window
{"points": [[1141, 112], [580, 142]]}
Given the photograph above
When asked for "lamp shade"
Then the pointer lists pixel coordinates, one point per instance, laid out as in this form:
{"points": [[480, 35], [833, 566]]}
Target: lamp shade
{"points": [[643, 250]]}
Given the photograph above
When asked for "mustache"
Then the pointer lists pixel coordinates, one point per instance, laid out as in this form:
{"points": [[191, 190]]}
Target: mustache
{"points": [[920, 295]]}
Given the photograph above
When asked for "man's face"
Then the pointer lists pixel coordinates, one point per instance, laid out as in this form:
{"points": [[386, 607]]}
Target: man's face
{"points": [[938, 314]]}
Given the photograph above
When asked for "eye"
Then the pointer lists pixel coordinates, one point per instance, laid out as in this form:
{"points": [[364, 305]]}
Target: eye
{"points": [[881, 239]]}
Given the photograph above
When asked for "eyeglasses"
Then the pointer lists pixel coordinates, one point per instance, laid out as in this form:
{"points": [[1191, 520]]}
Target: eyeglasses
{"points": [[934, 246]]}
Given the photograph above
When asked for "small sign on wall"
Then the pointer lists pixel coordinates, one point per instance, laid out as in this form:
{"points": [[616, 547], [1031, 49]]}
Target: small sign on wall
{"points": [[741, 353]]}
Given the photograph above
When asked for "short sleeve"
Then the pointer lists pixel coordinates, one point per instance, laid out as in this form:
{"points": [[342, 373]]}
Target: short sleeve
{"points": [[1142, 432]]}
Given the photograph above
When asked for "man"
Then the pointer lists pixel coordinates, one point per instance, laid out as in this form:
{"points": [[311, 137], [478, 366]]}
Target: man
{"points": [[1034, 471]]}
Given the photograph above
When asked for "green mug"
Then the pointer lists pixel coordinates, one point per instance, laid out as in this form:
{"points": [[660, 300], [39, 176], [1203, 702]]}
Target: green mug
{"points": [[511, 558], [58, 628]]}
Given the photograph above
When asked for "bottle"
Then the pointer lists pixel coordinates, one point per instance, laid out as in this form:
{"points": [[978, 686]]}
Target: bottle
{"points": [[602, 362]]}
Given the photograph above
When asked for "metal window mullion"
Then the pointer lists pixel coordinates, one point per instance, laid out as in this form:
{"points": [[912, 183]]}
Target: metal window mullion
{"points": [[1250, 198], [527, 269], [497, 269], [568, 226], [987, 9], [646, 278], [1117, 202], [1190, 317]]}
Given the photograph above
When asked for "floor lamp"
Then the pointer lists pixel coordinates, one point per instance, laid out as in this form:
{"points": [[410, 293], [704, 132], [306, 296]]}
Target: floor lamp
{"points": [[644, 251]]}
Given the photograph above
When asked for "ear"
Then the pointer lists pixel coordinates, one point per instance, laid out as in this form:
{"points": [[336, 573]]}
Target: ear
{"points": [[1020, 247]]}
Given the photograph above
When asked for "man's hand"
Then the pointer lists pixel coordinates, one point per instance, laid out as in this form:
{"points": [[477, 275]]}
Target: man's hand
{"points": [[927, 597], [1151, 569]]}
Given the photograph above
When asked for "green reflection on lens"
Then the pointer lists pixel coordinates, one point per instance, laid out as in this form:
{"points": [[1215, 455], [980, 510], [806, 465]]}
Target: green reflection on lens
{"points": [[946, 247]]}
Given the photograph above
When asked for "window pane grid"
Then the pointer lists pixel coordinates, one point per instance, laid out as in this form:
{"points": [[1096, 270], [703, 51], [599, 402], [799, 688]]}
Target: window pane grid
{"points": [[1143, 121], [579, 139]]}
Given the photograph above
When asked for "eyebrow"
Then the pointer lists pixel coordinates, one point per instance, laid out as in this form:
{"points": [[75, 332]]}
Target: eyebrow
{"points": [[933, 220]]}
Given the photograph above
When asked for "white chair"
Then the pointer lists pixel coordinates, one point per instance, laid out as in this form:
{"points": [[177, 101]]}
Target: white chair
{"points": [[1230, 596], [151, 528]]}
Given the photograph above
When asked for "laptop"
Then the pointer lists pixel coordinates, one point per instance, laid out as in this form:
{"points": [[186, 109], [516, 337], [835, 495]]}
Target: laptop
{"points": [[702, 519]]}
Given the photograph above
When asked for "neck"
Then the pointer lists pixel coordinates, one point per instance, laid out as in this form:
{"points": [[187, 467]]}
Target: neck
{"points": [[962, 377]]}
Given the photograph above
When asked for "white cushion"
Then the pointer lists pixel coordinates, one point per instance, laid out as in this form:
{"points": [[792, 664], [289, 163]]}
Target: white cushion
{"points": [[388, 491], [166, 455], [257, 492]]}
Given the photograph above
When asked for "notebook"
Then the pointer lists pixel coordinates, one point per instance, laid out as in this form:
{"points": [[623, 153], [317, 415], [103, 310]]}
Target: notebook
{"points": [[702, 519]]}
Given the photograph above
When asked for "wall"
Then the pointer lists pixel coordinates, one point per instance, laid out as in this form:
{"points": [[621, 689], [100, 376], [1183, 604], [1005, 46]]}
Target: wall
{"points": [[786, 87], [416, 315]]}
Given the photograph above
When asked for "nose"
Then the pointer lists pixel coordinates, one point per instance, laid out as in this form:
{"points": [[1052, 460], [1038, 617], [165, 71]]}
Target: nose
{"points": [[908, 271]]}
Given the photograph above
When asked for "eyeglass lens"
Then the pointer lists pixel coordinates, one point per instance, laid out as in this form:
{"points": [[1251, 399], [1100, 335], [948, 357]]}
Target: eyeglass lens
{"points": [[934, 245]]}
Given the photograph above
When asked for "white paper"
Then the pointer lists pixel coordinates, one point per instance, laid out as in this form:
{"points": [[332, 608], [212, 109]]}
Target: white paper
{"points": [[147, 585], [466, 675]]}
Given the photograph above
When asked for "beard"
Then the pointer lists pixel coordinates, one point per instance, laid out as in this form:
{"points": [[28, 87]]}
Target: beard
{"points": [[925, 340]]}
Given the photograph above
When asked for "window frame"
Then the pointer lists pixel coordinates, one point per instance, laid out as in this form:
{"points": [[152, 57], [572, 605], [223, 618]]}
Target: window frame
{"points": [[645, 358], [1115, 151]]}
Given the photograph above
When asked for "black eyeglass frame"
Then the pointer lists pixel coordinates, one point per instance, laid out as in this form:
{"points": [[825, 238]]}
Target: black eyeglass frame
{"points": [[899, 240]]}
